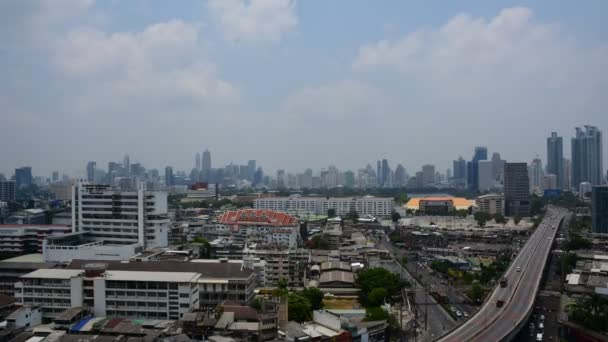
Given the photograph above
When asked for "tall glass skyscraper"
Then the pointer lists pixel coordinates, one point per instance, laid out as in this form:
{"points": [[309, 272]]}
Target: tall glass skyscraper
{"points": [[481, 153], [587, 163], [555, 158]]}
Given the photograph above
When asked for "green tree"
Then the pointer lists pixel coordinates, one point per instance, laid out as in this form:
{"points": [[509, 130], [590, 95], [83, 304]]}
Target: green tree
{"points": [[395, 216], [476, 293], [256, 304], [314, 296], [500, 219], [481, 218], [377, 296], [462, 213], [516, 219], [353, 215], [299, 308], [331, 212], [578, 242], [281, 290], [373, 278], [375, 313]]}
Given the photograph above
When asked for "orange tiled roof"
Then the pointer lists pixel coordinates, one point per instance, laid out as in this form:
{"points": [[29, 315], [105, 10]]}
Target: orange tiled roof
{"points": [[257, 217]]}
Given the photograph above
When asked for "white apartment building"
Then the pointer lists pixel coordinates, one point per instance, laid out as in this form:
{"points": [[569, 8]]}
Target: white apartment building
{"points": [[366, 205], [127, 294], [27, 238], [121, 217], [288, 264], [262, 227], [491, 204]]}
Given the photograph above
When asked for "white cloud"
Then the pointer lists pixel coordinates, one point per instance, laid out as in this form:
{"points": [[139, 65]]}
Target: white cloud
{"points": [[344, 101], [162, 63], [254, 21]]}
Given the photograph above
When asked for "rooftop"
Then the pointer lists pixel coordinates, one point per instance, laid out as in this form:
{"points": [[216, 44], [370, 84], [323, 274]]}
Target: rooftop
{"points": [[206, 270], [54, 273], [459, 202], [341, 276], [257, 217], [35, 257], [169, 277]]}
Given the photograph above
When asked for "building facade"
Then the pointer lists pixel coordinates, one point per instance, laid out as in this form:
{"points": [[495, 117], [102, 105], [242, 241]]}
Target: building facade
{"points": [[121, 217], [599, 209], [491, 204], [587, 157], [555, 158], [366, 205], [262, 226], [7, 191], [517, 190], [481, 153], [18, 239]]}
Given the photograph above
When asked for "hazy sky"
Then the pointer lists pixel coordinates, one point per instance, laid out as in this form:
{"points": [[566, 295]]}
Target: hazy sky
{"points": [[295, 84]]}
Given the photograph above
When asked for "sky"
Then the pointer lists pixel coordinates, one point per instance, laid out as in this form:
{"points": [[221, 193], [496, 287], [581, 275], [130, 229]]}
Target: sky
{"points": [[295, 84]]}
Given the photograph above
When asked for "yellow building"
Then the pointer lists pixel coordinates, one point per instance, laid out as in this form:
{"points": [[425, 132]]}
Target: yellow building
{"points": [[438, 204]]}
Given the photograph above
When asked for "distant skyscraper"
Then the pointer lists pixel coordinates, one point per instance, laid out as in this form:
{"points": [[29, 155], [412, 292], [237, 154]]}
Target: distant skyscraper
{"points": [[460, 169], [91, 171], [386, 171], [599, 209], [535, 174], [555, 158], [481, 153], [428, 174], [169, 179], [497, 166], [567, 175], [281, 179], [258, 178], [197, 162], [23, 177], [587, 158], [126, 164], [379, 172], [517, 189], [55, 176], [486, 177], [448, 174], [251, 167], [7, 190], [400, 178], [206, 161]]}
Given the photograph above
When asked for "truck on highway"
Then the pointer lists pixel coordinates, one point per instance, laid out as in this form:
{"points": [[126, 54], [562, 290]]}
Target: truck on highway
{"points": [[504, 282], [500, 303]]}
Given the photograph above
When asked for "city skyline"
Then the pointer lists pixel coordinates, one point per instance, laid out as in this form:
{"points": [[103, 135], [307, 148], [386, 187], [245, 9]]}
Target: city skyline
{"points": [[98, 79]]}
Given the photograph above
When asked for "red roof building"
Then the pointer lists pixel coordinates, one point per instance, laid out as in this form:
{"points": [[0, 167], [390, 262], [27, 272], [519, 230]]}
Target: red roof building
{"points": [[258, 217]]}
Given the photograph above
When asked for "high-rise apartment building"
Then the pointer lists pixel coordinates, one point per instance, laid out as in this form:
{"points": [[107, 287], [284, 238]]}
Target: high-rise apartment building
{"points": [[206, 161], [7, 190], [517, 189], [481, 153], [91, 166], [197, 162], [498, 165], [386, 170], [567, 175], [599, 209], [23, 177], [587, 158], [251, 167], [169, 179], [121, 217], [460, 169], [555, 158], [428, 175], [535, 174], [486, 178]]}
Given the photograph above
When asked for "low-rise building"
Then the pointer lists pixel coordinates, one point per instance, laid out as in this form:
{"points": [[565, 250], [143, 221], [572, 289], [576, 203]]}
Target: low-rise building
{"points": [[281, 263], [491, 204], [73, 246], [366, 205], [263, 226], [17, 239]]}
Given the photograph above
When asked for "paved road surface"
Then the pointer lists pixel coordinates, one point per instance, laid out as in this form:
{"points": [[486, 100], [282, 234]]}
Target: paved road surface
{"points": [[439, 321], [492, 323]]}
